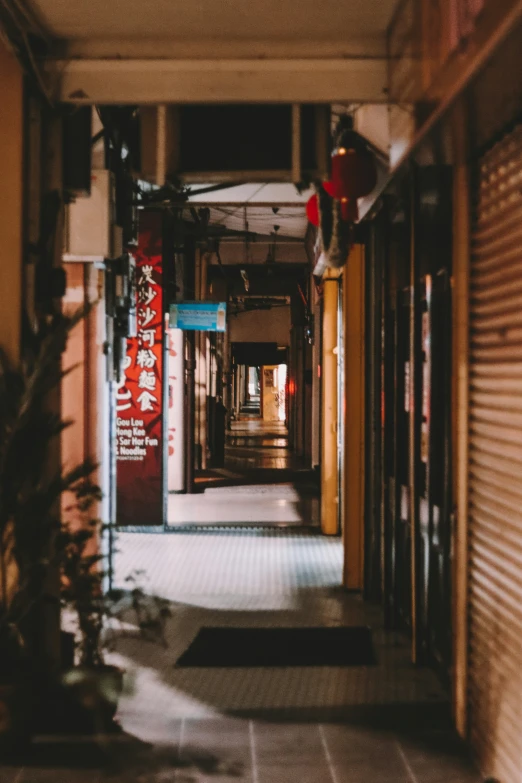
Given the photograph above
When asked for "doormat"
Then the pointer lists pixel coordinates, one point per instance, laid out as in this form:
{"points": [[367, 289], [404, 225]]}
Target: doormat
{"points": [[269, 647]]}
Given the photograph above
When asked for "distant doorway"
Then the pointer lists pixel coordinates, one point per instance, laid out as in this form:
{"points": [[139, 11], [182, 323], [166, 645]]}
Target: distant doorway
{"points": [[273, 407]]}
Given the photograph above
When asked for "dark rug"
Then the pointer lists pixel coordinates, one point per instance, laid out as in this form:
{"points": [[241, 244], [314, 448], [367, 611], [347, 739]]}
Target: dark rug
{"points": [[237, 647]]}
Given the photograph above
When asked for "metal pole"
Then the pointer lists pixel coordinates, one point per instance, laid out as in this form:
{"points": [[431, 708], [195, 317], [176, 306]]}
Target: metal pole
{"points": [[190, 416], [414, 418], [176, 410]]}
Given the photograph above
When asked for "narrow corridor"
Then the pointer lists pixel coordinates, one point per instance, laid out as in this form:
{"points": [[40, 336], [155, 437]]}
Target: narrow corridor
{"points": [[253, 443], [260, 371], [262, 485], [327, 724], [244, 553]]}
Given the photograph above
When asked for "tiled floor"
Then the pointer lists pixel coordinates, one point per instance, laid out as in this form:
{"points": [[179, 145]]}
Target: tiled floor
{"points": [[261, 504], [258, 578], [243, 493], [386, 723], [253, 443], [228, 751]]}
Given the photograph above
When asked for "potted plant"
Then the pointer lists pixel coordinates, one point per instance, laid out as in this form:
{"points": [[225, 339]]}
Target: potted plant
{"points": [[148, 612], [15, 724], [94, 684], [30, 493]]}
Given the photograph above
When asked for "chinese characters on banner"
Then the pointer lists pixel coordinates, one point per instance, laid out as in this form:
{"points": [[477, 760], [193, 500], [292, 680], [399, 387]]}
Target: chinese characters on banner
{"points": [[139, 399]]}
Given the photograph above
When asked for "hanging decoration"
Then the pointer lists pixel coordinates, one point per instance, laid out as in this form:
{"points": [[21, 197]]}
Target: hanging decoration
{"points": [[333, 208], [312, 210], [335, 233], [354, 172]]}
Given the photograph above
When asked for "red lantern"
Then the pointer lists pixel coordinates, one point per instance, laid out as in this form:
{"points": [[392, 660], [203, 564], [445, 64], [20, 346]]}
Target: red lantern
{"points": [[312, 210], [354, 173], [349, 210], [329, 187]]}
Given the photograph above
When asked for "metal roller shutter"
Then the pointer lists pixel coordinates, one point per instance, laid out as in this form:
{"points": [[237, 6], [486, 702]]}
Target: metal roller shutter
{"points": [[495, 469]]}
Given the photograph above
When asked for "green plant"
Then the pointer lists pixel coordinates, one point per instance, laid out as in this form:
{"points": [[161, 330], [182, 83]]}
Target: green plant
{"points": [[94, 686], [96, 611], [151, 612], [30, 491], [82, 589]]}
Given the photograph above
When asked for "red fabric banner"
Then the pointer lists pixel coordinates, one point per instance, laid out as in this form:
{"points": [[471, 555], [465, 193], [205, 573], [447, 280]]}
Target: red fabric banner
{"points": [[139, 403]]}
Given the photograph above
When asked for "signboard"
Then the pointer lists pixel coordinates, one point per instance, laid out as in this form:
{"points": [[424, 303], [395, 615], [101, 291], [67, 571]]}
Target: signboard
{"points": [[199, 316], [139, 399]]}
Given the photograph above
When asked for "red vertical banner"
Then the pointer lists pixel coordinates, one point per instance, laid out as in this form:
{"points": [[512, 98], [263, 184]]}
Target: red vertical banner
{"points": [[139, 403]]}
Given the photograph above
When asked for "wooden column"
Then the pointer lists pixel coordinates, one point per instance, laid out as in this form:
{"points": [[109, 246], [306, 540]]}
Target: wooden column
{"points": [[460, 408], [329, 456], [11, 202], [354, 411]]}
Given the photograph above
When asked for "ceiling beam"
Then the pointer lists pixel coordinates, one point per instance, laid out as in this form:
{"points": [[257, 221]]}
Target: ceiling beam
{"points": [[113, 81], [224, 47]]}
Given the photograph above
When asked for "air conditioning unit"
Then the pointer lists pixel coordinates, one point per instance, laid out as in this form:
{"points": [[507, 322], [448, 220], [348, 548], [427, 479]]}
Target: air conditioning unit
{"points": [[90, 232]]}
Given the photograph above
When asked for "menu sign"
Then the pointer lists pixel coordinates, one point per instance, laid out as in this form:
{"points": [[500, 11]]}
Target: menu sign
{"points": [[139, 402]]}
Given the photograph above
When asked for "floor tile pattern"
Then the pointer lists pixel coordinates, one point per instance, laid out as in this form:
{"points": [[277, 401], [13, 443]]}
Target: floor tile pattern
{"points": [[253, 443], [382, 724], [225, 750], [262, 504]]}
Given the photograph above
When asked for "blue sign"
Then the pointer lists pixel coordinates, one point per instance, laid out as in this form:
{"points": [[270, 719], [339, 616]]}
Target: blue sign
{"points": [[198, 316]]}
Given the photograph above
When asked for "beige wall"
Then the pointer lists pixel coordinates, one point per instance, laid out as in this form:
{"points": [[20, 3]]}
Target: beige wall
{"points": [[11, 193], [261, 326], [269, 395], [82, 390], [287, 252]]}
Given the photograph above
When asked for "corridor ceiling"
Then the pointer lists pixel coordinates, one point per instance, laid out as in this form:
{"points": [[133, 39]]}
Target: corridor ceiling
{"points": [[161, 52], [258, 208], [352, 22], [168, 51]]}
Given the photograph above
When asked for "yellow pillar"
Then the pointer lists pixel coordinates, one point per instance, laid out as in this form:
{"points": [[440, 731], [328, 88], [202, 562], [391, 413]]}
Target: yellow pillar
{"points": [[11, 200], [11, 191], [329, 457], [354, 384]]}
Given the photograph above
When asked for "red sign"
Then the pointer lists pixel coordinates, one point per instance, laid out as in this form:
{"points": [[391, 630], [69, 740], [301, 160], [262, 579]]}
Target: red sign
{"points": [[139, 401]]}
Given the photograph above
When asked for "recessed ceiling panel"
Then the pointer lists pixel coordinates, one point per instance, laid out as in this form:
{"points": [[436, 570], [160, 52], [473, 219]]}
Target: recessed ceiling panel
{"points": [[216, 19]]}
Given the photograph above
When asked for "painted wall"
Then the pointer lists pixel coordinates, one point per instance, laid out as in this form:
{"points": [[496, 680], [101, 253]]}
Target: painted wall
{"points": [[84, 391], [286, 252], [261, 326], [270, 393]]}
